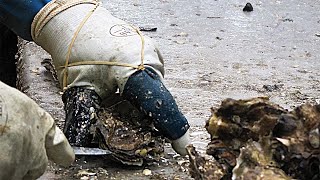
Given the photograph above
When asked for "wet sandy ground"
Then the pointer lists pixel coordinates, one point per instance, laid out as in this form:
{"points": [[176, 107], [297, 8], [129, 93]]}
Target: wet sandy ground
{"points": [[213, 50]]}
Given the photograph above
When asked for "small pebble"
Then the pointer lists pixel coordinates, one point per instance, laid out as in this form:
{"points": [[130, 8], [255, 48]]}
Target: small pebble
{"points": [[248, 7], [147, 172]]}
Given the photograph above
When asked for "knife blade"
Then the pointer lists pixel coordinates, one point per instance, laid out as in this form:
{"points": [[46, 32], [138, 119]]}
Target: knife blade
{"points": [[85, 151]]}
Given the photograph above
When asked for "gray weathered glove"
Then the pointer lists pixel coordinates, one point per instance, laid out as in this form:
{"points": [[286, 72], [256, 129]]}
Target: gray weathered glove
{"points": [[103, 37], [28, 137]]}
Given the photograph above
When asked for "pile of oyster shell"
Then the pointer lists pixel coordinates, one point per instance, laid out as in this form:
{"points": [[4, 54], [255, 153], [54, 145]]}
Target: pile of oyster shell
{"points": [[256, 139], [128, 134]]}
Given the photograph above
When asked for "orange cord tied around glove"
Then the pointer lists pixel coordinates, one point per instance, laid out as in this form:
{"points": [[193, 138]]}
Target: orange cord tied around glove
{"points": [[67, 64]]}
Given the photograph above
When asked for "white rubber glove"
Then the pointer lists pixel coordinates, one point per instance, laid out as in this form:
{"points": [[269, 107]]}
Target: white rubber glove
{"points": [[28, 137], [180, 144], [102, 38]]}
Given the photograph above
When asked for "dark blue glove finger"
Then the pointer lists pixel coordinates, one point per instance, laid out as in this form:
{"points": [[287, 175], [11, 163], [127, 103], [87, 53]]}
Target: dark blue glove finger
{"points": [[145, 90]]}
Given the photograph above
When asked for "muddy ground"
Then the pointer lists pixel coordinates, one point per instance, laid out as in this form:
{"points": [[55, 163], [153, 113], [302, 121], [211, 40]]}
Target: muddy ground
{"points": [[212, 50]]}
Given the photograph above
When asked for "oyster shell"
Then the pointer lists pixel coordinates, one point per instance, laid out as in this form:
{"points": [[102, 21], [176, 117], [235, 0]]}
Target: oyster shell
{"points": [[225, 155], [256, 139], [241, 120], [255, 162], [128, 134], [204, 168]]}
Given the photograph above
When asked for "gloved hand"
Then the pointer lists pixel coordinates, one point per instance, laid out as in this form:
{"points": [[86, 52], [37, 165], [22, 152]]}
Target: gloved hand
{"points": [[28, 137], [81, 36], [103, 37]]}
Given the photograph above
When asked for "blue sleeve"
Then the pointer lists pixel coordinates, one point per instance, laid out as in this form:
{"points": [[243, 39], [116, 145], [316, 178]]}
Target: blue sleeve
{"points": [[18, 15]]}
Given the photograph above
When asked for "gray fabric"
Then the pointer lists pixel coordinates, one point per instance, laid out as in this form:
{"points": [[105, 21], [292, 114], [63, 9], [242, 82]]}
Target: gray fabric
{"points": [[102, 38], [28, 137]]}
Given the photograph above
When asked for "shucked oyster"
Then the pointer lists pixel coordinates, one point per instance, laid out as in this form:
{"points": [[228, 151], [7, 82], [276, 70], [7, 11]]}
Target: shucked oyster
{"points": [[128, 135]]}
